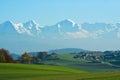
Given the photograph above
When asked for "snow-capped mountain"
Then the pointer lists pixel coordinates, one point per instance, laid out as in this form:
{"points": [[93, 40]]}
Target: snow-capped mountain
{"points": [[101, 29], [65, 28], [60, 28], [31, 36], [32, 27], [28, 28]]}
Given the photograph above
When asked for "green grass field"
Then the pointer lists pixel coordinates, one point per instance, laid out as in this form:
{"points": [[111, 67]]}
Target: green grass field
{"points": [[45, 72]]}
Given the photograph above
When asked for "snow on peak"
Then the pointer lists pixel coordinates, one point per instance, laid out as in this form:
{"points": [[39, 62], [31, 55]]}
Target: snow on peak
{"points": [[67, 22], [32, 24], [32, 27], [20, 28], [73, 23]]}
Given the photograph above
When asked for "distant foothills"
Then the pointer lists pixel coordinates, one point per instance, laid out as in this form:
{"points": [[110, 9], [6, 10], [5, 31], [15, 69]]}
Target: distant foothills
{"points": [[58, 55]]}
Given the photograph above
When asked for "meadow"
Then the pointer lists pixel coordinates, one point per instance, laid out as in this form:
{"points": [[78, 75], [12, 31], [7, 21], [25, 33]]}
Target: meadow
{"points": [[10, 71]]}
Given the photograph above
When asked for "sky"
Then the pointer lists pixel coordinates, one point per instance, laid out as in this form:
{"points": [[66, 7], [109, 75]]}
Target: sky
{"points": [[48, 12]]}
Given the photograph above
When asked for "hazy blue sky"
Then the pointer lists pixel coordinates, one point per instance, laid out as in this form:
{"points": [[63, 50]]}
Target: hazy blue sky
{"points": [[48, 12]]}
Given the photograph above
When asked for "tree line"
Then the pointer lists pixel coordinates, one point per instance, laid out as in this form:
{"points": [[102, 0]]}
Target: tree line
{"points": [[39, 57], [26, 58]]}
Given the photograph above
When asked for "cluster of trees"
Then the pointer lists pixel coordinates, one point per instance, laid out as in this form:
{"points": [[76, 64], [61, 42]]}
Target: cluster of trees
{"points": [[115, 55], [26, 57], [5, 56], [98, 56], [39, 57]]}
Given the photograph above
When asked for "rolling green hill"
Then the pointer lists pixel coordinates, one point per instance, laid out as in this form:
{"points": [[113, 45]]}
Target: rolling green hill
{"points": [[15, 71], [68, 60], [45, 72]]}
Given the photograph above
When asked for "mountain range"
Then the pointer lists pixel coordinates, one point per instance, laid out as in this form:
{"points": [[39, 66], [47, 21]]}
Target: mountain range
{"points": [[64, 29], [32, 37]]}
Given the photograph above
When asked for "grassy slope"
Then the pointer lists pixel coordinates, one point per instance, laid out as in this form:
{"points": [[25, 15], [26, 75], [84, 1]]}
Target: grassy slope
{"points": [[65, 59], [44, 72], [68, 61], [11, 71]]}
